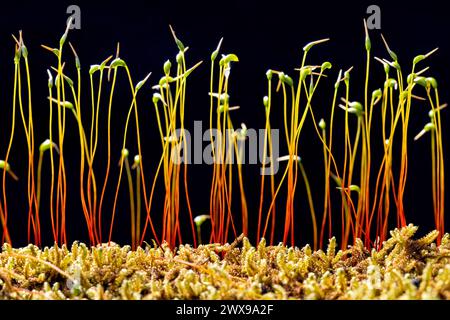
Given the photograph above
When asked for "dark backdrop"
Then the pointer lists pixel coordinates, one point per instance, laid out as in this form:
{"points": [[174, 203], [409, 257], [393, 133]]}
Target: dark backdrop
{"points": [[262, 35]]}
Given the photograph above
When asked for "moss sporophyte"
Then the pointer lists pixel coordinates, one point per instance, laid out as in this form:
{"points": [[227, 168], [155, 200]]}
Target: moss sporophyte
{"points": [[191, 258]]}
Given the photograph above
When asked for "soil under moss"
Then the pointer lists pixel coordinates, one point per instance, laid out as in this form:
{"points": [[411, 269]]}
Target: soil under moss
{"points": [[403, 268]]}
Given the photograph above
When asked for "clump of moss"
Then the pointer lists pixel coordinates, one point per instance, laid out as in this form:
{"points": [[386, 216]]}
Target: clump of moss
{"points": [[404, 268]]}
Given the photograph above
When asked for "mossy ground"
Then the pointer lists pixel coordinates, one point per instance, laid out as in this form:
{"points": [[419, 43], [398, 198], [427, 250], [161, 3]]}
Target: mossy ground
{"points": [[403, 269]]}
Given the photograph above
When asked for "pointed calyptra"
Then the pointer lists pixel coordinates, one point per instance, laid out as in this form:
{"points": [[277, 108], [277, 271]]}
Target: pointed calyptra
{"points": [[142, 82], [50, 79], [216, 52], [136, 161], [376, 94], [179, 44], [226, 59], [47, 145], [266, 101], [325, 65], [308, 46], [167, 66], [117, 63], [432, 82], [322, 124]]}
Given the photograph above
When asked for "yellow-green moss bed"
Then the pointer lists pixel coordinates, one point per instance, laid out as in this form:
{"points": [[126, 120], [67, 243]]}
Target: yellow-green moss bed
{"points": [[405, 268]]}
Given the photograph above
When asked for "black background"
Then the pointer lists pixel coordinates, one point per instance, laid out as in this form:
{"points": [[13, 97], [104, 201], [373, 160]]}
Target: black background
{"points": [[263, 36]]}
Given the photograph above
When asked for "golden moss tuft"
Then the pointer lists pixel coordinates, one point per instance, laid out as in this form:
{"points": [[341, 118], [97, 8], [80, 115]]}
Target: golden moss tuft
{"points": [[403, 268]]}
